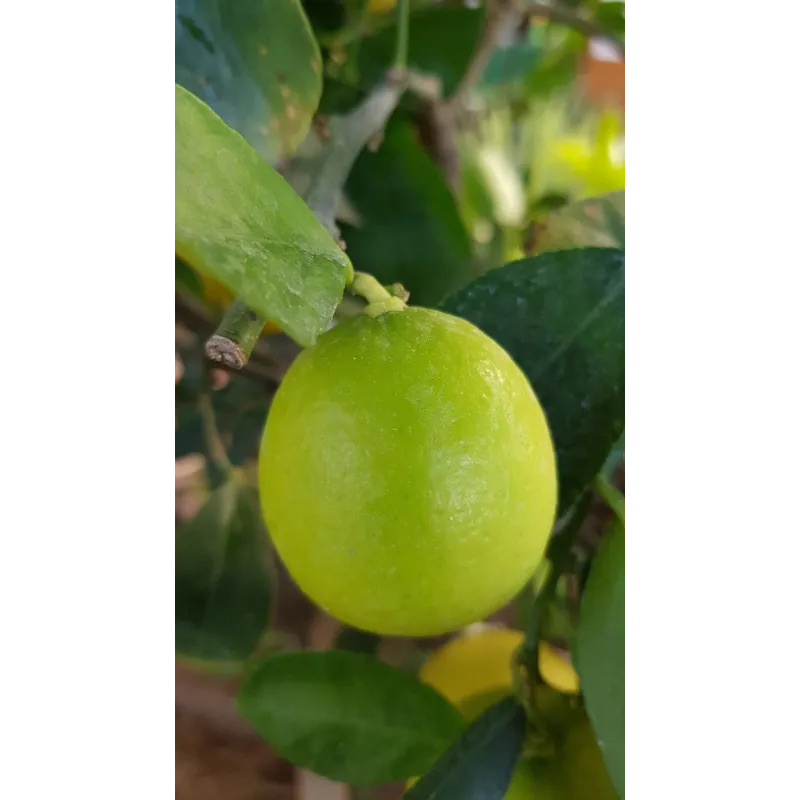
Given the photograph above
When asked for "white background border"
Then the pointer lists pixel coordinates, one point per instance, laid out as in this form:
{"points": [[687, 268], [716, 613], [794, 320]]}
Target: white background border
{"points": [[86, 566]]}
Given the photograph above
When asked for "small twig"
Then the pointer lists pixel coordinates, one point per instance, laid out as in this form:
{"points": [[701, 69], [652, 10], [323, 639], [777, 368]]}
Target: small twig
{"points": [[216, 447], [236, 336], [401, 52], [260, 366], [497, 13], [613, 497]]}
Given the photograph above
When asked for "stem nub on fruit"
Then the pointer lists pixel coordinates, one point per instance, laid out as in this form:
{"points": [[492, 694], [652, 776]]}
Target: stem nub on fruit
{"points": [[379, 300]]}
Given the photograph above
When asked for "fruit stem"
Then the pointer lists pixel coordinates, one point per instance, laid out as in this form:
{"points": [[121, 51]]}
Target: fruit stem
{"points": [[236, 336], [379, 299], [560, 559]]}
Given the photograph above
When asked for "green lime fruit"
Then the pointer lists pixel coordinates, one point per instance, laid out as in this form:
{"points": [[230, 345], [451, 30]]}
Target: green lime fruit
{"points": [[407, 474]]}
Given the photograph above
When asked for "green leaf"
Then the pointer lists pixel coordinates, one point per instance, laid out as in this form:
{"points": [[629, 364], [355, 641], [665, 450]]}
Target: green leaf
{"points": [[600, 651], [596, 222], [561, 316], [238, 221], [256, 63], [347, 716], [222, 577], [410, 229], [479, 765]]}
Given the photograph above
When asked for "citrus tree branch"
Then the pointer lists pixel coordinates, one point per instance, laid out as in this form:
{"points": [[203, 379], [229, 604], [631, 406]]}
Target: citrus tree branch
{"points": [[236, 336], [260, 366], [345, 137], [216, 447], [401, 52], [499, 13]]}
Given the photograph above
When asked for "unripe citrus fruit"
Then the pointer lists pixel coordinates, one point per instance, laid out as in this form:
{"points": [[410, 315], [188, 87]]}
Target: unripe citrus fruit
{"points": [[473, 670], [407, 473]]}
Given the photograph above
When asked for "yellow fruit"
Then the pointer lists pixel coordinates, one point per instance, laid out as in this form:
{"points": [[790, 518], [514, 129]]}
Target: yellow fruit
{"points": [[407, 474], [380, 6], [474, 669], [472, 664], [556, 671]]}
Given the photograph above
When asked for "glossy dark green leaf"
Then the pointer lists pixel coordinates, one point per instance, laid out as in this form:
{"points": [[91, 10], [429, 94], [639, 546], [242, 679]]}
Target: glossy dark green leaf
{"points": [[256, 63], [222, 577], [600, 651], [239, 222], [479, 765], [595, 222], [561, 316], [347, 716], [440, 43], [410, 227]]}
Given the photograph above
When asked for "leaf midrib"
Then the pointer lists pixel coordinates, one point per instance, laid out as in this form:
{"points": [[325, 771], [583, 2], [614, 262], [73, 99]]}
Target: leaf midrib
{"points": [[362, 724], [585, 323]]}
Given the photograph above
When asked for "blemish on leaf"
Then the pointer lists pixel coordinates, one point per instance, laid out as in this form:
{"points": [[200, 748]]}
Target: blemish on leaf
{"points": [[195, 32]]}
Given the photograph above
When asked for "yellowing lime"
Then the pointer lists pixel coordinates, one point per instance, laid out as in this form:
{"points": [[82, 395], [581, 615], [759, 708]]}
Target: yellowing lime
{"points": [[473, 664], [407, 474], [556, 670]]}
